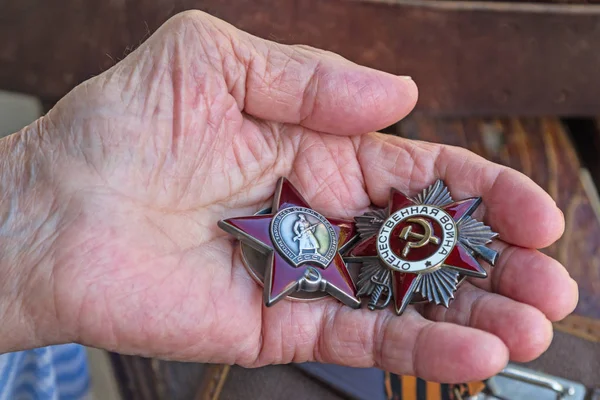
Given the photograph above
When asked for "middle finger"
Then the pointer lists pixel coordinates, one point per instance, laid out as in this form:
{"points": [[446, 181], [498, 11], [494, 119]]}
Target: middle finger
{"points": [[533, 278], [524, 329]]}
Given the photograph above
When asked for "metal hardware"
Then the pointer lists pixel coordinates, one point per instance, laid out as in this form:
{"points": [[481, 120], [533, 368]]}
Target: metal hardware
{"points": [[519, 383]]}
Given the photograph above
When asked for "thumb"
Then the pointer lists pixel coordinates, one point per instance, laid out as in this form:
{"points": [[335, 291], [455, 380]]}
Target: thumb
{"points": [[322, 91], [298, 84]]}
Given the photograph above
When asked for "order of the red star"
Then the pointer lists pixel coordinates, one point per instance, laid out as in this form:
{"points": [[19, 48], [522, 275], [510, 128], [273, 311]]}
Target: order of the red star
{"points": [[282, 277]]}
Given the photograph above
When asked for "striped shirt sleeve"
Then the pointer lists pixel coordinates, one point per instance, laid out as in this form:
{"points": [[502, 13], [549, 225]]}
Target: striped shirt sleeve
{"points": [[48, 373]]}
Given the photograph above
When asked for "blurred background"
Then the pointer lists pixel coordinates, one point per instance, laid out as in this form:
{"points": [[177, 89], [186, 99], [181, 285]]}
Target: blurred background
{"points": [[516, 82]]}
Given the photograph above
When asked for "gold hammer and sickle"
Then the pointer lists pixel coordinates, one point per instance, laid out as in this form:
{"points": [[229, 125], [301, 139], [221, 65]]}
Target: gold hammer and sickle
{"points": [[423, 239]]}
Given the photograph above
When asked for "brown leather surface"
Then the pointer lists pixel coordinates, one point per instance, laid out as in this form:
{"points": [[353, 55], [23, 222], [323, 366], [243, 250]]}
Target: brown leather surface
{"points": [[143, 378], [571, 357], [274, 382]]}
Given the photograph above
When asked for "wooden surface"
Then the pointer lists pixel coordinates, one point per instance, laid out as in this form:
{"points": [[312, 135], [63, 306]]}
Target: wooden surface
{"points": [[581, 327], [541, 149], [469, 58]]}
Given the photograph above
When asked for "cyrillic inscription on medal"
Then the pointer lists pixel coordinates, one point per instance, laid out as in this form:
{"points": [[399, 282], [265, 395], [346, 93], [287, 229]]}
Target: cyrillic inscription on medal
{"points": [[416, 239]]}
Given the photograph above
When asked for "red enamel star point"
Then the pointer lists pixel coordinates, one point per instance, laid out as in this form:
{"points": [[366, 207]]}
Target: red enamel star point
{"points": [[303, 247], [427, 244]]}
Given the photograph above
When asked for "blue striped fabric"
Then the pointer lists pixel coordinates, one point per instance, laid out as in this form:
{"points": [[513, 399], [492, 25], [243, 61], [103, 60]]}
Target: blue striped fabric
{"points": [[48, 373]]}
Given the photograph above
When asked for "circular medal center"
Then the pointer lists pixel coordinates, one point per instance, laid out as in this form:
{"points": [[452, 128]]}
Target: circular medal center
{"points": [[302, 235], [416, 239]]}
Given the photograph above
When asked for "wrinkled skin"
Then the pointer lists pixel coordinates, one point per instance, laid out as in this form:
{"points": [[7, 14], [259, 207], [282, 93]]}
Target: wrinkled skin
{"points": [[130, 172]]}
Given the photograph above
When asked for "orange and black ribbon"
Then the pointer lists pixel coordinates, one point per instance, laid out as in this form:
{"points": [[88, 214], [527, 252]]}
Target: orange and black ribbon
{"points": [[412, 388]]}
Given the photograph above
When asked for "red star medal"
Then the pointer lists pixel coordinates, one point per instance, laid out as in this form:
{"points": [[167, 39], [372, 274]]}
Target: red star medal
{"points": [[424, 245], [302, 248]]}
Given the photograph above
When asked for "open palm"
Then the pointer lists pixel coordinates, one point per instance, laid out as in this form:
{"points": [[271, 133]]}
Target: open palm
{"points": [[197, 125]]}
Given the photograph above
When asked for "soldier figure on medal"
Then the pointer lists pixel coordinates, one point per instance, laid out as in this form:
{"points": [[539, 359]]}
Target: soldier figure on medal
{"points": [[305, 235]]}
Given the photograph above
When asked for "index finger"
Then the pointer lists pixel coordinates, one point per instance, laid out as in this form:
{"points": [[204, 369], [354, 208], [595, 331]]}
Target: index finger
{"points": [[513, 205]]}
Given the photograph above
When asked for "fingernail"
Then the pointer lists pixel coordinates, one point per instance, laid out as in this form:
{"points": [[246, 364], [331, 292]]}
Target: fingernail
{"points": [[408, 78]]}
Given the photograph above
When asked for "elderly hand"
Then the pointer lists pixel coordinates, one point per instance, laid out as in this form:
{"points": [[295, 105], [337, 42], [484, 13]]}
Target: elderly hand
{"points": [[111, 203]]}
